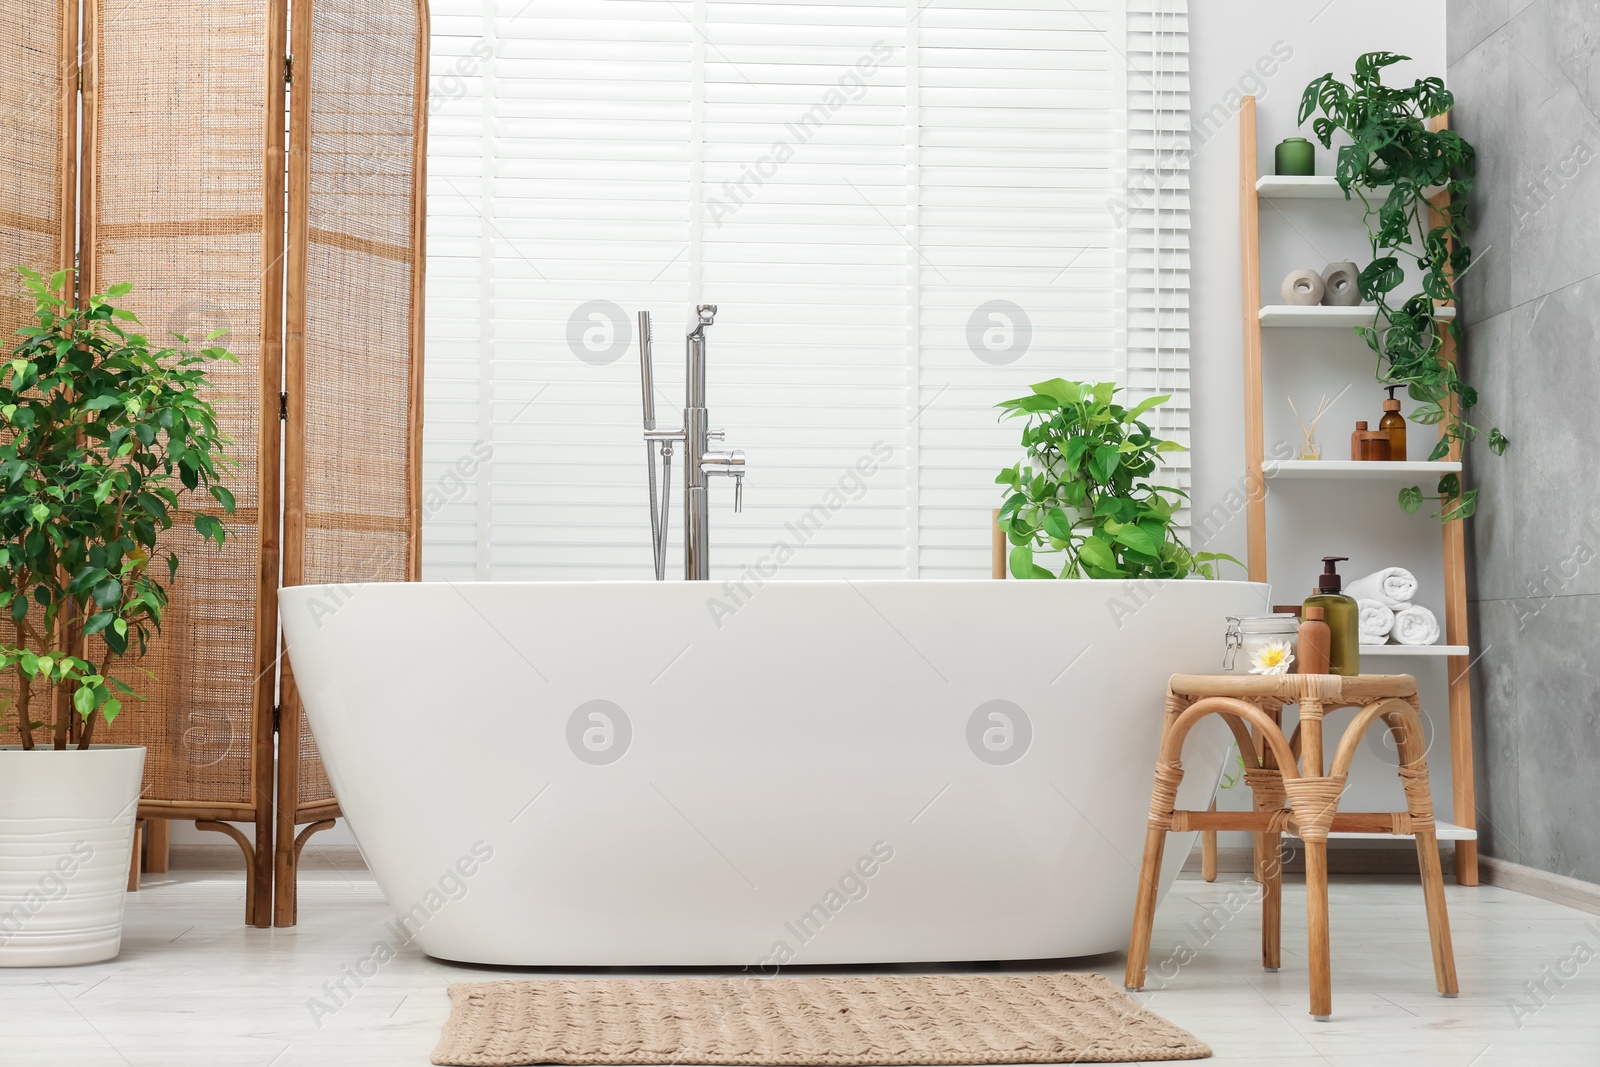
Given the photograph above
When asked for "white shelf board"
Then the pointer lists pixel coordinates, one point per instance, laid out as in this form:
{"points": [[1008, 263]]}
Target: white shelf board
{"points": [[1299, 187], [1313, 187], [1355, 468], [1317, 316], [1447, 831], [1414, 650]]}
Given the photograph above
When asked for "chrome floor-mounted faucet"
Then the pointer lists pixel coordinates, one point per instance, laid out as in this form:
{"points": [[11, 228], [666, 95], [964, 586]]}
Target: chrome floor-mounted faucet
{"points": [[699, 461]]}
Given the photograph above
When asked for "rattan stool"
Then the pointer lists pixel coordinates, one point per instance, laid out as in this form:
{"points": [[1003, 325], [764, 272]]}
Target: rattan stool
{"points": [[1295, 795]]}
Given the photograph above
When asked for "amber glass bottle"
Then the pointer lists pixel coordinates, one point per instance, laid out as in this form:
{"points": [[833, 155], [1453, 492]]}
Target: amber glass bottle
{"points": [[1394, 424]]}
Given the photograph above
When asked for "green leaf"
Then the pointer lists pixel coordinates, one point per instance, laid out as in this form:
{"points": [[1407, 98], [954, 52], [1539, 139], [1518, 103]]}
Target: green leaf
{"points": [[1497, 442], [1103, 464], [1411, 499], [1143, 406], [1098, 554], [1057, 525], [1137, 538], [120, 289], [40, 512], [1380, 276], [99, 621], [1061, 391], [108, 593], [1022, 565], [224, 497], [1463, 508]]}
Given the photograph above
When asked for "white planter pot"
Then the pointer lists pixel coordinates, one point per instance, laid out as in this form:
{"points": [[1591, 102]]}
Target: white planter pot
{"points": [[66, 838]]}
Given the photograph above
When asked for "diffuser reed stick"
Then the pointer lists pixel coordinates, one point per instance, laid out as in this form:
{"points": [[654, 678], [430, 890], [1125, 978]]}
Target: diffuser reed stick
{"points": [[1309, 448]]}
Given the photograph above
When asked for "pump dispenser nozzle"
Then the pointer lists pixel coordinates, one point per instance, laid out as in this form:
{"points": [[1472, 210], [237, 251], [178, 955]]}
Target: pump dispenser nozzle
{"points": [[1329, 581]]}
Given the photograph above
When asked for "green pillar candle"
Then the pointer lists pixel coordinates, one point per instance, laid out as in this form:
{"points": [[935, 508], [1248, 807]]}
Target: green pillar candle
{"points": [[1295, 155]]}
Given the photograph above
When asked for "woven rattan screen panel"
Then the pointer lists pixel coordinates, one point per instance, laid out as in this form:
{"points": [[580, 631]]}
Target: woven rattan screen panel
{"points": [[36, 229], [175, 203], [357, 376]]}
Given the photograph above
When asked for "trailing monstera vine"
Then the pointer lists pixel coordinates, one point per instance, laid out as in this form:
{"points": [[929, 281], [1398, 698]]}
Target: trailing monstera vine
{"points": [[1392, 164], [1092, 497]]}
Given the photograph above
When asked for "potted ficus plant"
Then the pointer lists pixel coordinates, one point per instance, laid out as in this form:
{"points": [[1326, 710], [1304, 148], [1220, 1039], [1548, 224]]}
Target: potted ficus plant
{"points": [[104, 434], [1087, 489]]}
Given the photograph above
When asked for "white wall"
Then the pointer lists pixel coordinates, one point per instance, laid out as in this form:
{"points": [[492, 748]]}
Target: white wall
{"points": [[1228, 39]]}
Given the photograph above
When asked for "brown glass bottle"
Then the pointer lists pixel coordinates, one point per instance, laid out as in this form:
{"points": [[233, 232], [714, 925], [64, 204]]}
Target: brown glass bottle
{"points": [[1394, 425]]}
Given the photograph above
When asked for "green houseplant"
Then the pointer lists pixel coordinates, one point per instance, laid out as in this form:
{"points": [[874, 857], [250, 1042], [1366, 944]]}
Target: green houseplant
{"points": [[1393, 163], [1086, 489], [104, 435]]}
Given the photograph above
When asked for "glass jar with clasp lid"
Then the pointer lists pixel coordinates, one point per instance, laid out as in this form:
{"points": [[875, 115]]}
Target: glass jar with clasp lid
{"points": [[1261, 644]]}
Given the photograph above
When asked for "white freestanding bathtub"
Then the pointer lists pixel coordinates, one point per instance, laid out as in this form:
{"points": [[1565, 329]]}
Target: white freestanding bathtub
{"points": [[808, 772]]}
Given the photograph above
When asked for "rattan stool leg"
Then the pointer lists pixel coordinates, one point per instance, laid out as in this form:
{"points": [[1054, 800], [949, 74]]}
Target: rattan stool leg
{"points": [[1317, 929], [1444, 957], [1269, 872], [1144, 913]]}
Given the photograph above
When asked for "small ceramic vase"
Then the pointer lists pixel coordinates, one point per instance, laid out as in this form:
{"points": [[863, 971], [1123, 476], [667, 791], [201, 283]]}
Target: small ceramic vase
{"points": [[1295, 155], [1302, 288], [1341, 287]]}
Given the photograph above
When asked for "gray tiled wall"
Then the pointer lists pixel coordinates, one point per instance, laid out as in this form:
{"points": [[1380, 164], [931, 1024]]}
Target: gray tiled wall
{"points": [[1527, 85]]}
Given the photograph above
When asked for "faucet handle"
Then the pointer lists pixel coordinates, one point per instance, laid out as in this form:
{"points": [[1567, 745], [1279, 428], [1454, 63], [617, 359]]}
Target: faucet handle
{"points": [[716, 435], [730, 463]]}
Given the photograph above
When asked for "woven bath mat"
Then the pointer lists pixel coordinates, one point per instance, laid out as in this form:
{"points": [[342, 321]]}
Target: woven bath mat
{"points": [[873, 1022]]}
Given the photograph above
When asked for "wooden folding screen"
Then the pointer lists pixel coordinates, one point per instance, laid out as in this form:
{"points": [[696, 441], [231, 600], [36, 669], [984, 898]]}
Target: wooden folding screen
{"points": [[357, 138], [183, 197], [182, 192]]}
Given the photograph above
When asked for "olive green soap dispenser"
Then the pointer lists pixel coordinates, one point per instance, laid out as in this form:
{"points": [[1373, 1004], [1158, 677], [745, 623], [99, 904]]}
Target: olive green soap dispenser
{"points": [[1343, 617]]}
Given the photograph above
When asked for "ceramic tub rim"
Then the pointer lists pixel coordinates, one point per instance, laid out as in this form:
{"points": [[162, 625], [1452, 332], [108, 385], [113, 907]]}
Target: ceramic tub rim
{"points": [[716, 582]]}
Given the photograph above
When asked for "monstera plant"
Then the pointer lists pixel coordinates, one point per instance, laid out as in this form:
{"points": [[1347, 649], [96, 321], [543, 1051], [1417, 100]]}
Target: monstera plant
{"points": [[1087, 489], [1395, 165]]}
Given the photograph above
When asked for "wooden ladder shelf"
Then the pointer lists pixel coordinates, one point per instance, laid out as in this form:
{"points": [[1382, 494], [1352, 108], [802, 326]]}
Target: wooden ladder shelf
{"points": [[1454, 549]]}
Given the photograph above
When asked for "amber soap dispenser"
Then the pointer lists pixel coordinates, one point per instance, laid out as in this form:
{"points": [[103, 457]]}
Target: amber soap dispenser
{"points": [[1342, 615], [1394, 425]]}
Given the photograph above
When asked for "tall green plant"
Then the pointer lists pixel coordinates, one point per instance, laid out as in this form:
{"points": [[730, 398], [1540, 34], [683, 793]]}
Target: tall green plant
{"points": [[1390, 164], [103, 435], [1092, 497]]}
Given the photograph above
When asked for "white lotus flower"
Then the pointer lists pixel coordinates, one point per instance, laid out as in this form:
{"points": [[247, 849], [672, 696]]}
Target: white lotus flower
{"points": [[1274, 657]]}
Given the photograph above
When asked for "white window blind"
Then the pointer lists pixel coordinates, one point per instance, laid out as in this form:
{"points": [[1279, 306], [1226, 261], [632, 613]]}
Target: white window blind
{"points": [[905, 211]]}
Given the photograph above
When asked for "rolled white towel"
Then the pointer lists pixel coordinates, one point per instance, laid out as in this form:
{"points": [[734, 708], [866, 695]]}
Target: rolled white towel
{"points": [[1415, 625], [1393, 587], [1376, 622]]}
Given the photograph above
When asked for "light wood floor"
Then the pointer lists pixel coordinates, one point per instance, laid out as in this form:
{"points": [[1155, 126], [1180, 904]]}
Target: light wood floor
{"points": [[195, 987]]}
